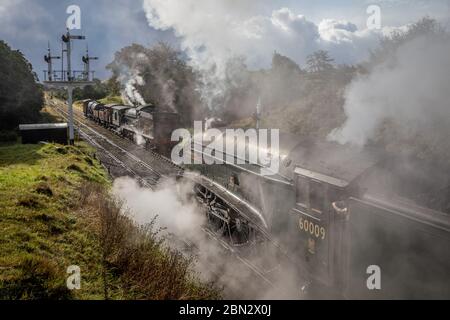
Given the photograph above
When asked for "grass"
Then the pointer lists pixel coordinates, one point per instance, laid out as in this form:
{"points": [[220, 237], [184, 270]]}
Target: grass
{"points": [[111, 100], [40, 237], [56, 211]]}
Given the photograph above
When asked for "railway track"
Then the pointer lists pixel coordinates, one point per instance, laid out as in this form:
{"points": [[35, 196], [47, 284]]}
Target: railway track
{"points": [[112, 148], [120, 157]]}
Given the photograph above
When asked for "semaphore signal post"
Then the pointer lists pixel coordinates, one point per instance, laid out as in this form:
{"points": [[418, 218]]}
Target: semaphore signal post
{"points": [[68, 80]]}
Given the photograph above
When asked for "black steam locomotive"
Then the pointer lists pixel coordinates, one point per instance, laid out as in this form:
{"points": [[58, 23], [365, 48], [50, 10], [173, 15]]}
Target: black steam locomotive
{"points": [[143, 125], [338, 212]]}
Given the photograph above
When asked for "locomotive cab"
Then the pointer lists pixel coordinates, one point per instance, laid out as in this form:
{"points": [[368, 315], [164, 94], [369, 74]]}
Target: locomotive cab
{"points": [[118, 115], [320, 213], [325, 176]]}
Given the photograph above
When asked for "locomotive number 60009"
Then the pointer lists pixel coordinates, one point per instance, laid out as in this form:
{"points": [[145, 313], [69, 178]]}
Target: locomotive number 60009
{"points": [[312, 228]]}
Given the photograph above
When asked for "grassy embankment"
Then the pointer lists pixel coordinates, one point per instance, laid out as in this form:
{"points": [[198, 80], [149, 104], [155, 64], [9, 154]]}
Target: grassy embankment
{"points": [[55, 212]]}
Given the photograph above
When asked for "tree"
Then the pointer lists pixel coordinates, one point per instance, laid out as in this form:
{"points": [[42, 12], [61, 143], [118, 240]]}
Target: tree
{"points": [[161, 77], [21, 97], [113, 86], [283, 65], [98, 90], [389, 44], [319, 61]]}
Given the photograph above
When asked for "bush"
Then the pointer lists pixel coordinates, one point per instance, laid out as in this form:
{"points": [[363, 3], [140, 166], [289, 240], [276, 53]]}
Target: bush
{"points": [[8, 136], [136, 259]]}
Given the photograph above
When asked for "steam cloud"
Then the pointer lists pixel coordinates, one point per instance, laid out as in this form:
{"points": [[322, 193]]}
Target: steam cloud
{"points": [[214, 32], [181, 217], [174, 212], [131, 95], [130, 79], [410, 89]]}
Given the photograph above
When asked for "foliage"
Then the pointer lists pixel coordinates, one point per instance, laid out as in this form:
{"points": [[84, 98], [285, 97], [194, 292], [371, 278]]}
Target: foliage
{"points": [[168, 82], [8, 136], [136, 260], [56, 211], [111, 100], [21, 97], [319, 61], [98, 90], [424, 27], [292, 99]]}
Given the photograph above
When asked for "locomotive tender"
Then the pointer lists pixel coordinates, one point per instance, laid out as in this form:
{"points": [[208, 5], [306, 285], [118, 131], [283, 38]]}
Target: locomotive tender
{"points": [[336, 210]]}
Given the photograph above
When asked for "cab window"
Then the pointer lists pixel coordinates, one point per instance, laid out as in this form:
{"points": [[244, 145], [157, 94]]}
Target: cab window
{"points": [[316, 196], [302, 191]]}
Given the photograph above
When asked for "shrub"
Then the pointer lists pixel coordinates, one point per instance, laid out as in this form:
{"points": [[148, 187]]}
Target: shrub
{"points": [[8, 136]]}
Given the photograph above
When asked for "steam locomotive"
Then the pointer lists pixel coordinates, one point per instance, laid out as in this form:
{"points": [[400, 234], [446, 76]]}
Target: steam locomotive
{"points": [[339, 212], [143, 125]]}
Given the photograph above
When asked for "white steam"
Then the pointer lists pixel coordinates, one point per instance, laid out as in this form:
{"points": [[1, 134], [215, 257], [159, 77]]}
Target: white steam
{"points": [[410, 89], [131, 94], [130, 78], [179, 214], [214, 32], [173, 211]]}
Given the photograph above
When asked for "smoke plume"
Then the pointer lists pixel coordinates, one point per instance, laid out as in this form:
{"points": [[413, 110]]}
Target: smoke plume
{"points": [[214, 32], [130, 94], [182, 219], [128, 71], [408, 90], [168, 203]]}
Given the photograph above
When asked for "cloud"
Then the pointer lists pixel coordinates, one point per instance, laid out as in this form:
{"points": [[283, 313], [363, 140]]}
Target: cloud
{"points": [[29, 28], [214, 32], [27, 25], [218, 31]]}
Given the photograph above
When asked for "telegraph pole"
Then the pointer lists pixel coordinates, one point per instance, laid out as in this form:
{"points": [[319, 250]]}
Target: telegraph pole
{"points": [[70, 83]]}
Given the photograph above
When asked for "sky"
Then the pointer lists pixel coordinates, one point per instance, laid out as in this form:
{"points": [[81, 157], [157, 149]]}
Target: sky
{"points": [[206, 28]]}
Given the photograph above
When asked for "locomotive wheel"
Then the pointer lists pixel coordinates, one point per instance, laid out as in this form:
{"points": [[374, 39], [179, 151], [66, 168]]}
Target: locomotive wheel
{"points": [[240, 232], [218, 225]]}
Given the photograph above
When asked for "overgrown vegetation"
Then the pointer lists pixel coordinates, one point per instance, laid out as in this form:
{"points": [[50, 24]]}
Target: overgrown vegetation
{"points": [[99, 90], [111, 100], [21, 96], [55, 211]]}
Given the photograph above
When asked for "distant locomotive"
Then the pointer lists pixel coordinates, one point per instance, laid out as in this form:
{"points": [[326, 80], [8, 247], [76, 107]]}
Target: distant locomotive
{"points": [[143, 125], [337, 210]]}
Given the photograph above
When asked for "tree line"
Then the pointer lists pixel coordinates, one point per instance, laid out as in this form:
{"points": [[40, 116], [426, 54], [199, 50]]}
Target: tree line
{"points": [[21, 96]]}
